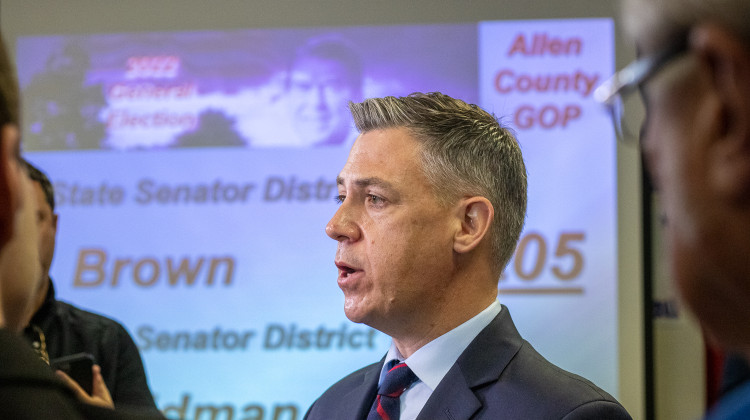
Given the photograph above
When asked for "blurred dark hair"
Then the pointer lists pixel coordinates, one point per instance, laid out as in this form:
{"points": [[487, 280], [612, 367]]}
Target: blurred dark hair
{"points": [[9, 96], [9, 114]]}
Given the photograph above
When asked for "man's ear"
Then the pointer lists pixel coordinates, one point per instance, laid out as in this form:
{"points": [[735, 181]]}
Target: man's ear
{"points": [[476, 215], [727, 60]]}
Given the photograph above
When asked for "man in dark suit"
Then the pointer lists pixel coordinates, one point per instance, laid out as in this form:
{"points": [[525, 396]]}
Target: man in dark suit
{"points": [[433, 200]]}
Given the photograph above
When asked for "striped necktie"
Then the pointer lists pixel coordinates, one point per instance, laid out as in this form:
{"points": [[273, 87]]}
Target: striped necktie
{"points": [[398, 379]]}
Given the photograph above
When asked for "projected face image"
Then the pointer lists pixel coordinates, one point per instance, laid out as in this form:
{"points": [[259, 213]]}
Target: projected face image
{"points": [[322, 81], [394, 239]]}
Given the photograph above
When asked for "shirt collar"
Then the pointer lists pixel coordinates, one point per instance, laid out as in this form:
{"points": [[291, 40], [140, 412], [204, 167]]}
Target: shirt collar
{"points": [[433, 360], [47, 306]]}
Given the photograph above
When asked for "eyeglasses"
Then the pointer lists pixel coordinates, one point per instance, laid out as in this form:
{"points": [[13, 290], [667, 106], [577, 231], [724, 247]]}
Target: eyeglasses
{"points": [[620, 94]]}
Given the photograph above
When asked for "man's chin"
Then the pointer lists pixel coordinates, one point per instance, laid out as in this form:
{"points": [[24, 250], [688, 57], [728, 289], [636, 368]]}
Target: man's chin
{"points": [[354, 317], [356, 314]]}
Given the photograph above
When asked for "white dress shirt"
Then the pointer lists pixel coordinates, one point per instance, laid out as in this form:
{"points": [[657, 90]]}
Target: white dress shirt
{"points": [[433, 360]]}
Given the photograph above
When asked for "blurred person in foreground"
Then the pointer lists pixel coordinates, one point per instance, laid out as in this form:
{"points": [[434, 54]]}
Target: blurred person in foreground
{"points": [[28, 387], [433, 200], [60, 329], [690, 87]]}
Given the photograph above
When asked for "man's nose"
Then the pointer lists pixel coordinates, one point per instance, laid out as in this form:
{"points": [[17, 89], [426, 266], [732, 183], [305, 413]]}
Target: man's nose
{"points": [[342, 227]]}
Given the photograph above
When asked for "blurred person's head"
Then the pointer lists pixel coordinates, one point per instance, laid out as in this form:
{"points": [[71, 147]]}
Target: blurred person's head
{"points": [[19, 251], [696, 143], [44, 195], [324, 76]]}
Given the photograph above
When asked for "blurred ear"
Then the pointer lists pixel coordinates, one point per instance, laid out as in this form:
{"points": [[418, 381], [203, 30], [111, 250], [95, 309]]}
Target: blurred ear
{"points": [[476, 214], [727, 60], [8, 182]]}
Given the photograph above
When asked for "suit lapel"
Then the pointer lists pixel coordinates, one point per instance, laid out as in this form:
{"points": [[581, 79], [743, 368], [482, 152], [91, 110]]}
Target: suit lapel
{"points": [[481, 363], [453, 399], [356, 403]]}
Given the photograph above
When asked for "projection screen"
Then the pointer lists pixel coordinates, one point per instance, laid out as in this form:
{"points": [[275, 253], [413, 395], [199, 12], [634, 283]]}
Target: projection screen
{"points": [[195, 170]]}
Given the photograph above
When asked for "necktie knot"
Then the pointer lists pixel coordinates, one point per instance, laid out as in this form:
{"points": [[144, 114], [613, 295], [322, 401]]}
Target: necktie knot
{"points": [[397, 380]]}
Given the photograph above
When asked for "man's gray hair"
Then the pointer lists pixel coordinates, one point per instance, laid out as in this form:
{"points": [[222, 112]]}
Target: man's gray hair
{"points": [[663, 20], [465, 152]]}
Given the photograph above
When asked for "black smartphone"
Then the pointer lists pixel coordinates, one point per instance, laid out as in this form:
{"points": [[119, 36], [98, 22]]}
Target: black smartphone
{"points": [[77, 366]]}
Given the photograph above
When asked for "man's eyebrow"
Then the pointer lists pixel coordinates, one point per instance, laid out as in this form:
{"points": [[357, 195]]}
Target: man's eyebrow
{"points": [[366, 182]]}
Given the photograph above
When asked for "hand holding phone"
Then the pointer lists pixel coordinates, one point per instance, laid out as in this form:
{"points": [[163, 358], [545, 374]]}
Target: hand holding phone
{"points": [[89, 386], [78, 367]]}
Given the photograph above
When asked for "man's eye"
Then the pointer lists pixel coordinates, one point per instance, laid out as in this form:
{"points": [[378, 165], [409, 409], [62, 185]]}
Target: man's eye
{"points": [[339, 199], [374, 199]]}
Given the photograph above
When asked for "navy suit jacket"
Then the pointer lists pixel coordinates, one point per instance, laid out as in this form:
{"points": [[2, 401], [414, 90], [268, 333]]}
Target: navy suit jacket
{"points": [[498, 376]]}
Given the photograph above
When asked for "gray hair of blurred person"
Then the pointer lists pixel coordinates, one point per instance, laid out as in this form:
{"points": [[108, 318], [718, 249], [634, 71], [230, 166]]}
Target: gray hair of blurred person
{"points": [[663, 20], [465, 152]]}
